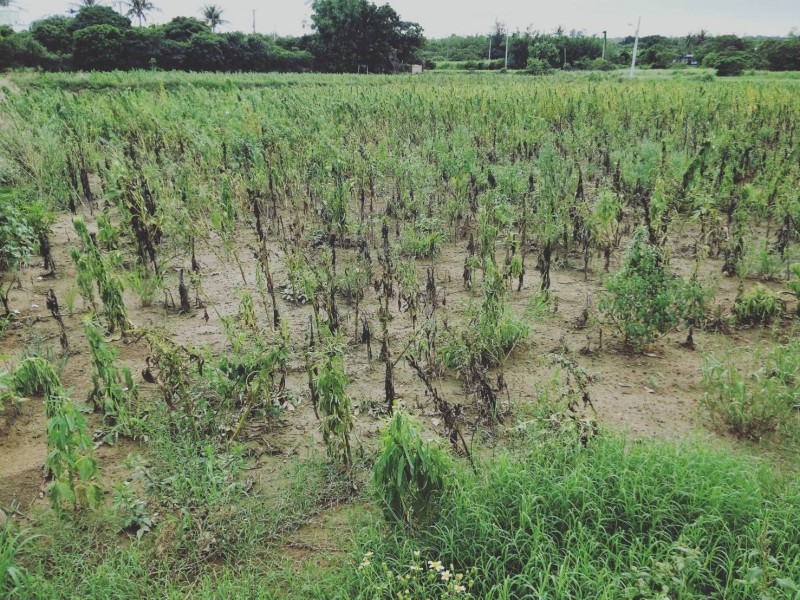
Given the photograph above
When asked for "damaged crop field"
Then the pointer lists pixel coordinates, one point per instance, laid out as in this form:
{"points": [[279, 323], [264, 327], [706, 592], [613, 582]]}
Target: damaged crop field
{"points": [[446, 336]]}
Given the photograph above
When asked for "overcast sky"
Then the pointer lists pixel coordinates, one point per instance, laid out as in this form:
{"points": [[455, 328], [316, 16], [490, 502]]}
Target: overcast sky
{"points": [[440, 18]]}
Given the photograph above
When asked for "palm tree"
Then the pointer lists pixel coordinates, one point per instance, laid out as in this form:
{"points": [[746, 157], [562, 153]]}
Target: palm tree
{"points": [[76, 6], [213, 16], [139, 9]]}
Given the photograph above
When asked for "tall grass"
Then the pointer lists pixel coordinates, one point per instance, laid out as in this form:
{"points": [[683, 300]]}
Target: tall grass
{"points": [[613, 520]]}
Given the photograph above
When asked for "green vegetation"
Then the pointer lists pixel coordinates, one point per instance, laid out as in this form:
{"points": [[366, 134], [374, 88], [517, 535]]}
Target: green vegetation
{"points": [[409, 473], [756, 393], [435, 258]]}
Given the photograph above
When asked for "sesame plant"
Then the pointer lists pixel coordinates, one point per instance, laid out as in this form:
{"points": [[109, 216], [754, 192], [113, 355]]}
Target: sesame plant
{"points": [[92, 265], [70, 461], [114, 392], [643, 301], [334, 403]]}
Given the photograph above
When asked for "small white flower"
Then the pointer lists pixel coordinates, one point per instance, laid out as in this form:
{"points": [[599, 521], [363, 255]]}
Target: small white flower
{"points": [[446, 575], [460, 589], [435, 564]]}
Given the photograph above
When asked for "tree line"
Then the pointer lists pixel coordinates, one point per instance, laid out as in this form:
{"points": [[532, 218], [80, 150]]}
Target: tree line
{"points": [[348, 36], [354, 36], [540, 51]]}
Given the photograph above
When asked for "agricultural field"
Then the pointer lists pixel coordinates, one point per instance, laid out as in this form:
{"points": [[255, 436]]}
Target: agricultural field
{"points": [[455, 335]]}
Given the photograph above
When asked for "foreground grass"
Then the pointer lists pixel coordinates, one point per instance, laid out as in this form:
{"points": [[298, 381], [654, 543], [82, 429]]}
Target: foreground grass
{"points": [[550, 520]]}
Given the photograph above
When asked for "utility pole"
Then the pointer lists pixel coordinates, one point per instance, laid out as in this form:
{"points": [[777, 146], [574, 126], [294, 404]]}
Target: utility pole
{"points": [[635, 47], [605, 35], [254, 20], [490, 52], [506, 47]]}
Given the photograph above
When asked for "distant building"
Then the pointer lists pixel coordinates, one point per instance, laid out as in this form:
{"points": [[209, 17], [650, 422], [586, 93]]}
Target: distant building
{"points": [[416, 69], [688, 59]]}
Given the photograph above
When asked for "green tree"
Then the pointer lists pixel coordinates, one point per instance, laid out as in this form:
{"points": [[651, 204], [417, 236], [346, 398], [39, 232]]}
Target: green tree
{"points": [[350, 33], [213, 16], [140, 9], [98, 15], [98, 48], [54, 34], [205, 53], [181, 29]]}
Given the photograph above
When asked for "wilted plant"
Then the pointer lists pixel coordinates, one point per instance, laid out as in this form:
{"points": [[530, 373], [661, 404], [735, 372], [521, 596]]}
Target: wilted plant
{"points": [[91, 265], [113, 390], [334, 403]]}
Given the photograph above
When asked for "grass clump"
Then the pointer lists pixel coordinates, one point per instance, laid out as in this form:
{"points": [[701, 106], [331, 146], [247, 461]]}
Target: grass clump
{"points": [[757, 398], [758, 306], [610, 520]]}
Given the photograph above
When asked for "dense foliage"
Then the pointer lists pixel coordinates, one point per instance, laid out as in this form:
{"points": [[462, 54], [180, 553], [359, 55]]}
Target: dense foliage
{"points": [[358, 36]]}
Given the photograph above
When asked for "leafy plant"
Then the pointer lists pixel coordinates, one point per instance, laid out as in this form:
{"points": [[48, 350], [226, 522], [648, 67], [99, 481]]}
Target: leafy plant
{"points": [[644, 301], [92, 266], [491, 329], [758, 306], [70, 461], [423, 239], [144, 284], [334, 403], [113, 389], [410, 473]]}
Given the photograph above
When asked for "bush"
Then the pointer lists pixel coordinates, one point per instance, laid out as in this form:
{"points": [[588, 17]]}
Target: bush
{"points": [[758, 306], [536, 66], [729, 65], [644, 301], [759, 398]]}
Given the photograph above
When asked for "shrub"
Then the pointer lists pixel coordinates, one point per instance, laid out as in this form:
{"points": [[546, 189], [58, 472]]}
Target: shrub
{"points": [[410, 473], [759, 398], [537, 66], [731, 66], [758, 306], [644, 301]]}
